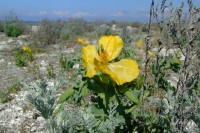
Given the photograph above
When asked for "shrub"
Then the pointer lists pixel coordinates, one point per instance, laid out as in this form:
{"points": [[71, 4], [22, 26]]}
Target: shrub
{"points": [[89, 28], [144, 29], [12, 26], [112, 22], [77, 26], [1, 27], [65, 34], [103, 30], [178, 101], [49, 31], [135, 24], [12, 29], [98, 23], [126, 36], [123, 24], [23, 56], [5, 94]]}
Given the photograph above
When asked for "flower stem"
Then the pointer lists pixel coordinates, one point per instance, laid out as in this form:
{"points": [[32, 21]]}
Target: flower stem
{"points": [[106, 96]]}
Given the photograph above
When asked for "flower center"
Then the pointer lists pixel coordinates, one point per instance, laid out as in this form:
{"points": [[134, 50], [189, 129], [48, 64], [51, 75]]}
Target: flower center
{"points": [[103, 56]]}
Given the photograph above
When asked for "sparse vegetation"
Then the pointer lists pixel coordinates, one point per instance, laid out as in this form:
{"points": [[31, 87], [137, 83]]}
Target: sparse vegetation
{"points": [[12, 25], [23, 56], [5, 96], [93, 90], [12, 29], [1, 27]]}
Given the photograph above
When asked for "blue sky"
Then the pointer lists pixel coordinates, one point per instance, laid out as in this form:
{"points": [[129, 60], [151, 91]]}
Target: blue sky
{"points": [[90, 10]]}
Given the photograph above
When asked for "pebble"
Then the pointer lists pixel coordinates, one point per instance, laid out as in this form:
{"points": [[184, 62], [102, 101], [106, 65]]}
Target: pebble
{"points": [[13, 117], [16, 116]]}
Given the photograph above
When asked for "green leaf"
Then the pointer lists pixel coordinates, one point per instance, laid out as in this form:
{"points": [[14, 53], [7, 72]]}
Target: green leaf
{"points": [[120, 117], [168, 65], [146, 94], [139, 62], [96, 78], [111, 91], [141, 80], [65, 95], [129, 110], [82, 84], [132, 97], [122, 89], [95, 87], [61, 107], [84, 92], [97, 111], [175, 61], [104, 78], [154, 70]]}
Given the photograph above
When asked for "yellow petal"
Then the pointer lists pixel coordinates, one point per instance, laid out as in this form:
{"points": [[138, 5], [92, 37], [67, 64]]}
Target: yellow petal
{"points": [[139, 44], [151, 53], [29, 50], [25, 48], [123, 71], [90, 59], [112, 44], [82, 41]]}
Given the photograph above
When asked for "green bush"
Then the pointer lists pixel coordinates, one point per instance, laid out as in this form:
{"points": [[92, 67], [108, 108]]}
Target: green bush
{"points": [[112, 22], [103, 30], [12, 29], [5, 94], [135, 24], [12, 25], [126, 36], [50, 31], [123, 24], [144, 29], [77, 26], [22, 57], [98, 23], [1, 27], [65, 34]]}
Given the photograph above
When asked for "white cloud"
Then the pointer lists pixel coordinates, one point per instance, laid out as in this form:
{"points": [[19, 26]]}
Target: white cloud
{"points": [[42, 13], [118, 14], [61, 13], [68, 14], [81, 14]]}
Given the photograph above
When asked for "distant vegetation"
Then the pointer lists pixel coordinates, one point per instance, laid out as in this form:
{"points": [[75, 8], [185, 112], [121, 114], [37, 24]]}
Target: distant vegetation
{"points": [[50, 32]]}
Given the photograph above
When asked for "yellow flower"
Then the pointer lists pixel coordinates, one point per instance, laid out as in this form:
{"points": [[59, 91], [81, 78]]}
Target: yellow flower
{"points": [[26, 48], [29, 50], [151, 53], [82, 41], [110, 47], [139, 44]]}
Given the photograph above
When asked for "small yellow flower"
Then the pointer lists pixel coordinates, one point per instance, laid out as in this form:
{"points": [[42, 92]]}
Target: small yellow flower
{"points": [[139, 44], [29, 50], [26, 48], [82, 41], [151, 53], [110, 47]]}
